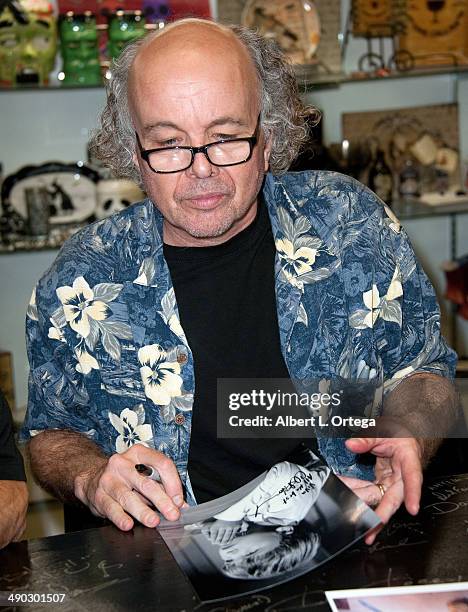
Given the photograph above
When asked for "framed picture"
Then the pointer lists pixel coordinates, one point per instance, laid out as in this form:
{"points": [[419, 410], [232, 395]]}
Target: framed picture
{"points": [[71, 189], [306, 31]]}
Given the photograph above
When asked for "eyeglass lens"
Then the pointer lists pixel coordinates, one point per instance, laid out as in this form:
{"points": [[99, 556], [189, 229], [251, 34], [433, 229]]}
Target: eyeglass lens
{"points": [[220, 154]]}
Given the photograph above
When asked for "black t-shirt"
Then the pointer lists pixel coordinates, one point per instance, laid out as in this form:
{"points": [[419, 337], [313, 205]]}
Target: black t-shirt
{"points": [[11, 461], [227, 307]]}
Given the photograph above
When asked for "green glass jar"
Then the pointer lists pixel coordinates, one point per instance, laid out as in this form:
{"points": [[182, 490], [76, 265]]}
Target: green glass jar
{"points": [[124, 27], [80, 51]]}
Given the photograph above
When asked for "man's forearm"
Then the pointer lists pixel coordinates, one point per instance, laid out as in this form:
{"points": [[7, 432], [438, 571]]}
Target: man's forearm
{"points": [[427, 406], [14, 504], [58, 457]]}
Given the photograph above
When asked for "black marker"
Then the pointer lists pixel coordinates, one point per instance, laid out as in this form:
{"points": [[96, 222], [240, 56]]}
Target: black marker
{"points": [[148, 471], [151, 472]]}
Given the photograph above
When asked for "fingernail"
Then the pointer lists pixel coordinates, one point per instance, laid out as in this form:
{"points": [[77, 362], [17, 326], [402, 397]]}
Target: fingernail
{"points": [[173, 513], [178, 500], [152, 521], [126, 525]]}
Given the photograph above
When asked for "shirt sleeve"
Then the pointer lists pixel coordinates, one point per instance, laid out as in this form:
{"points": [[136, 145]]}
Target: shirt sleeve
{"points": [[409, 314], [11, 461], [57, 397]]}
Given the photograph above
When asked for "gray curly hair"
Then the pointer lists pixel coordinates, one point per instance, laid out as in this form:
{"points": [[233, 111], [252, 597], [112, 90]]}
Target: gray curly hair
{"points": [[283, 116]]}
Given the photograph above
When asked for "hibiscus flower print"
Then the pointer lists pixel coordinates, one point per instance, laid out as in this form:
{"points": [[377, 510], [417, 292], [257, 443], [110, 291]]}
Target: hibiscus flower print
{"points": [[80, 305], [131, 427], [86, 362], [295, 262], [386, 307], [161, 378], [371, 300]]}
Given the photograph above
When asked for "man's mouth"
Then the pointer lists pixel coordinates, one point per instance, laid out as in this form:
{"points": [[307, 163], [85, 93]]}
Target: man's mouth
{"points": [[205, 201]]}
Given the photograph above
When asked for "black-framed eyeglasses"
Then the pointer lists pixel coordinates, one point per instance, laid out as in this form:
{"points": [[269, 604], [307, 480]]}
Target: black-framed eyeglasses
{"points": [[232, 152]]}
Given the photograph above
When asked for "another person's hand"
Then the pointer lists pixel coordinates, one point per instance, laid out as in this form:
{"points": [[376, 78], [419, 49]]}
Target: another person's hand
{"points": [[14, 504], [221, 532], [115, 490], [398, 471]]}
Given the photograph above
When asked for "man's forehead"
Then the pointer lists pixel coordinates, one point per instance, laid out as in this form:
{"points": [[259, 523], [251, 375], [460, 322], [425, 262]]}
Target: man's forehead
{"points": [[214, 59], [209, 94], [222, 120]]}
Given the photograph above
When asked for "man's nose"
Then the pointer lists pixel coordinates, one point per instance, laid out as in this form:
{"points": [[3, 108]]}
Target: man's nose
{"points": [[201, 167]]}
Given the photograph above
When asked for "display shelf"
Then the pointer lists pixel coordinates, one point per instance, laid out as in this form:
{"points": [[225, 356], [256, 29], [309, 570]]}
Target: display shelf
{"points": [[404, 210], [413, 209], [27, 244], [307, 78]]}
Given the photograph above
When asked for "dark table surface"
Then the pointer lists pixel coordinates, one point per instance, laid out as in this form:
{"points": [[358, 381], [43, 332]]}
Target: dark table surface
{"points": [[104, 569]]}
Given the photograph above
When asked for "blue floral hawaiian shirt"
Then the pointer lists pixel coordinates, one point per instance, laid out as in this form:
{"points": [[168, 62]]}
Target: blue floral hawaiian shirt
{"points": [[110, 359]]}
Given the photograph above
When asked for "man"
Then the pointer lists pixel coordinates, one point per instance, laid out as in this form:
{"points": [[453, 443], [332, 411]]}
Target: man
{"points": [[212, 278], [13, 490]]}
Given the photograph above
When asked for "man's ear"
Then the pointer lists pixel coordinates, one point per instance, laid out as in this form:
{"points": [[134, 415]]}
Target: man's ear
{"points": [[138, 163], [267, 152]]}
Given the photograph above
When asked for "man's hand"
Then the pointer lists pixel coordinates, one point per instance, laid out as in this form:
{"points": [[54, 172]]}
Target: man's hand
{"points": [[398, 468], [14, 504], [115, 490]]}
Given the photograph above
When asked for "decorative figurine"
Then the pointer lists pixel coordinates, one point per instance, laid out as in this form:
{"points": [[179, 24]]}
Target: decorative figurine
{"points": [[80, 52], [12, 224], [156, 11], [28, 42], [124, 27], [114, 195]]}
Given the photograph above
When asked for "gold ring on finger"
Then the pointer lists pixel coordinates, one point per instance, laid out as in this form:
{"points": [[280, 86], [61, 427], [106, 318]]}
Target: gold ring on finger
{"points": [[382, 489]]}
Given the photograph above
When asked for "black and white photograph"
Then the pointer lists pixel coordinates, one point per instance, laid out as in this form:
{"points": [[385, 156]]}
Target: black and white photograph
{"points": [[281, 525], [449, 597]]}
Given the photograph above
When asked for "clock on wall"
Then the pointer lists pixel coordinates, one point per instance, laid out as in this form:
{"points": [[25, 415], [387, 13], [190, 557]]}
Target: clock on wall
{"points": [[293, 24], [435, 31], [371, 17]]}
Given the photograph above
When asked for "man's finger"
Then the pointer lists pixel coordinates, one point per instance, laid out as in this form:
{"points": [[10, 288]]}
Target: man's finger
{"points": [[132, 504], [115, 513], [390, 502], [387, 507], [370, 537], [166, 469], [361, 445], [367, 491], [411, 473], [157, 494], [355, 483]]}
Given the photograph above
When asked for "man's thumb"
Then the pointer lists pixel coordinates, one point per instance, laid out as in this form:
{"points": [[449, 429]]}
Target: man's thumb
{"points": [[360, 445]]}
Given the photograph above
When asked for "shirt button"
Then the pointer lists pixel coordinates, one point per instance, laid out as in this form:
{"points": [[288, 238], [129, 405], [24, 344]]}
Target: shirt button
{"points": [[179, 419], [182, 358]]}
